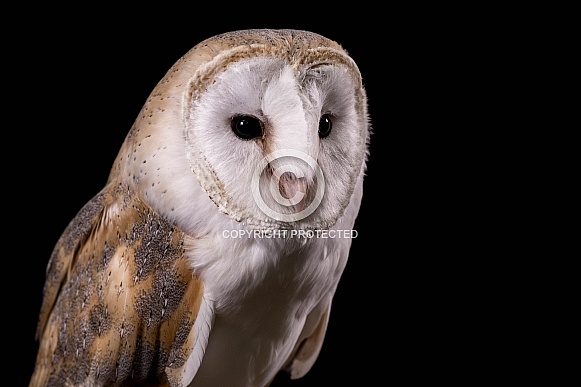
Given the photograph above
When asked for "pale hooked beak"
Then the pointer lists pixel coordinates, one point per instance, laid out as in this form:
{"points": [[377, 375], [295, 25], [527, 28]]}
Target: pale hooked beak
{"points": [[292, 188]]}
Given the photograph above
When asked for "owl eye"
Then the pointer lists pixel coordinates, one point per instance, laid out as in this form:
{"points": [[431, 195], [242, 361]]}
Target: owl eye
{"points": [[325, 125], [246, 127]]}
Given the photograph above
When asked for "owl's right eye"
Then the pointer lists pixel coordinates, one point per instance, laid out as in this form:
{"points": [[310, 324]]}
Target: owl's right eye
{"points": [[246, 127]]}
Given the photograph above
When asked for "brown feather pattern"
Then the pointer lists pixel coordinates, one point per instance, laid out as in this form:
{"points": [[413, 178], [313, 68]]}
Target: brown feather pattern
{"points": [[119, 298]]}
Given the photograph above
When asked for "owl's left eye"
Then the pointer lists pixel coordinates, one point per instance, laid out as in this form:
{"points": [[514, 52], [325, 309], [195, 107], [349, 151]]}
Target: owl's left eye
{"points": [[246, 127], [325, 125]]}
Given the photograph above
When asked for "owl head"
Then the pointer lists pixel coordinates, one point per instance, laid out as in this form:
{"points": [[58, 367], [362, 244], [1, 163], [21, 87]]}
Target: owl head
{"points": [[270, 127]]}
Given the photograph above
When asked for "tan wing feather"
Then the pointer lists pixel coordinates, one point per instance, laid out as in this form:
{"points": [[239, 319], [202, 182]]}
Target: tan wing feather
{"points": [[119, 300], [310, 342]]}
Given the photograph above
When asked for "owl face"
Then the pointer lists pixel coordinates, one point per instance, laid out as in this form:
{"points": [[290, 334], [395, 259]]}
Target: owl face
{"points": [[276, 142]]}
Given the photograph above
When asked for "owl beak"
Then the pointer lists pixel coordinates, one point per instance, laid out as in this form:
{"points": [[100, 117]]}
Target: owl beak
{"points": [[294, 189]]}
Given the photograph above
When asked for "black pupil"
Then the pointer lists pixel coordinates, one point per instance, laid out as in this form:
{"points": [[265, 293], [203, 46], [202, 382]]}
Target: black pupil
{"points": [[325, 125], [246, 127]]}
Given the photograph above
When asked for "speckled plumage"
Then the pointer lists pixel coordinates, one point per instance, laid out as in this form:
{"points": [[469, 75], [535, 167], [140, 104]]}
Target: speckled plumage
{"points": [[147, 284], [128, 300]]}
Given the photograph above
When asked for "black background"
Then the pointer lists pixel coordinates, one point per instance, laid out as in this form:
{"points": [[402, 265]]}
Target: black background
{"points": [[79, 85]]}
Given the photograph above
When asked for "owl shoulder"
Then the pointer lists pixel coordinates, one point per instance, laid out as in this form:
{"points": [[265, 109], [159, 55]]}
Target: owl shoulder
{"points": [[120, 300]]}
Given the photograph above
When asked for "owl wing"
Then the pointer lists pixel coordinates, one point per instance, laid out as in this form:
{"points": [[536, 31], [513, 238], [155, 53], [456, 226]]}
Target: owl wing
{"points": [[310, 341], [121, 305]]}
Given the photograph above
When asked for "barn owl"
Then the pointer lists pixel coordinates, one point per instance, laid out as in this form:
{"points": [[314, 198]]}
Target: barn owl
{"points": [[213, 252]]}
